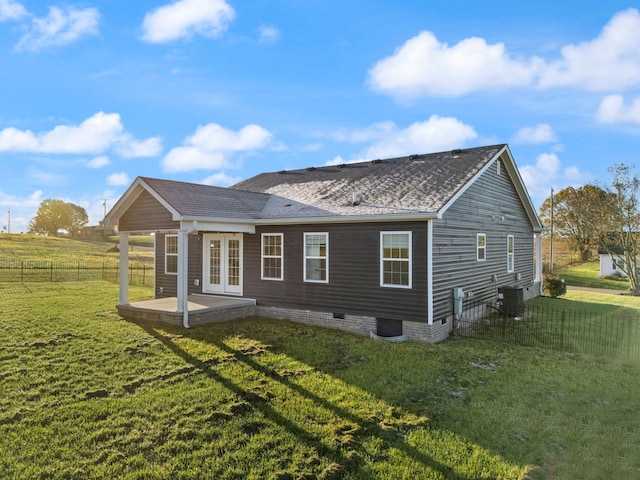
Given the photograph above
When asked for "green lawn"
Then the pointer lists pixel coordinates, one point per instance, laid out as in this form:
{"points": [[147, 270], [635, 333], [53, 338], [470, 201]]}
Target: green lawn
{"points": [[41, 248], [586, 275], [85, 394]]}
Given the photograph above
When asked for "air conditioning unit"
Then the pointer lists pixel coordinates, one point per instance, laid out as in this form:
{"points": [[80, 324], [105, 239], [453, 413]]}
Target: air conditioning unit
{"points": [[512, 300]]}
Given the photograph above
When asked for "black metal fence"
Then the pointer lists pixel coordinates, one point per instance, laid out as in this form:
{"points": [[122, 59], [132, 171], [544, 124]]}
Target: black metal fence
{"points": [[31, 271], [614, 336]]}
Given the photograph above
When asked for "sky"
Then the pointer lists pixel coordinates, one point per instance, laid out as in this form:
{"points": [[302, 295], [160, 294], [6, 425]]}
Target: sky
{"points": [[94, 93]]}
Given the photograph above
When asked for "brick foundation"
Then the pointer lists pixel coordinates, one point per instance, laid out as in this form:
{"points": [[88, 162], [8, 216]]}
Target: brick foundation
{"points": [[361, 325]]}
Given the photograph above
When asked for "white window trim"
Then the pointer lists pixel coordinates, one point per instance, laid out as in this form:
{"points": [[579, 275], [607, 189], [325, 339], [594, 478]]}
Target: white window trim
{"points": [[166, 254], [479, 248], [263, 256], [305, 257], [409, 260], [511, 258]]}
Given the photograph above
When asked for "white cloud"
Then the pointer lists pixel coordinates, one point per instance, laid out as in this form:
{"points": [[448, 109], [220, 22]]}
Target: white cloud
{"points": [[129, 147], [613, 110], [49, 179], [118, 179], [548, 173], [22, 210], [538, 134], [184, 18], [59, 27], [94, 135], [11, 10], [269, 34], [221, 179], [211, 145], [611, 61], [424, 66], [435, 134], [98, 162]]}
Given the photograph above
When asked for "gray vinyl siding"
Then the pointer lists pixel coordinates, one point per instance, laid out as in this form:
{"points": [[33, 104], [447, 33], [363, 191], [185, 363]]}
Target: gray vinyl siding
{"points": [[490, 206], [168, 282], [354, 272], [146, 214]]}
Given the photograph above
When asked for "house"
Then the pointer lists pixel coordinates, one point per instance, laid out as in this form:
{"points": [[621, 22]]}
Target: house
{"points": [[376, 246], [609, 266]]}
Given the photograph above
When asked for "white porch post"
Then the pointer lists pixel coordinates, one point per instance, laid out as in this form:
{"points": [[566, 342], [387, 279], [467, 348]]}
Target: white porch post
{"points": [[124, 269], [183, 276], [538, 266]]}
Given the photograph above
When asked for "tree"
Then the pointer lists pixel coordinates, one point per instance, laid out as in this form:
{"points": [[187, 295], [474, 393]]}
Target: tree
{"points": [[573, 216], [619, 223], [54, 215]]}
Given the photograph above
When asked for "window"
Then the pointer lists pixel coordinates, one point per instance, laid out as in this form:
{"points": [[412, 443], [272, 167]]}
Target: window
{"points": [[395, 259], [171, 254], [316, 254], [481, 247], [272, 254], [510, 253]]}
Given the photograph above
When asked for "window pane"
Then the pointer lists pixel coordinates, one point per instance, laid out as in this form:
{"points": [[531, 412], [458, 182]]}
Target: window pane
{"points": [[172, 264], [272, 267], [316, 246], [395, 272], [316, 269], [171, 244]]}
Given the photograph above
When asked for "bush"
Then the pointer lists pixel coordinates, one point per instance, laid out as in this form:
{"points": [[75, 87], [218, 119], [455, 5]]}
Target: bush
{"points": [[554, 286]]}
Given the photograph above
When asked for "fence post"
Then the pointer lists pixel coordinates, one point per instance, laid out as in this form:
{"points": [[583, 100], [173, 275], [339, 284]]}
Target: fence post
{"points": [[562, 319], [22, 271]]}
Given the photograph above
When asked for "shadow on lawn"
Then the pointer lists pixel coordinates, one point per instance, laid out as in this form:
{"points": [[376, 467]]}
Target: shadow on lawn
{"points": [[346, 456]]}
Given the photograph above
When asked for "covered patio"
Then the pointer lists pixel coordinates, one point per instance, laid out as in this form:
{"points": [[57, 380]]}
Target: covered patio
{"points": [[202, 309]]}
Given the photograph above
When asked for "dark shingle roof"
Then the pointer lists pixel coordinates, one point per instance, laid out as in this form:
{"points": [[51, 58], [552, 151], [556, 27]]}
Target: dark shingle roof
{"points": [[414, 184], [417, 183], [196, 200]]}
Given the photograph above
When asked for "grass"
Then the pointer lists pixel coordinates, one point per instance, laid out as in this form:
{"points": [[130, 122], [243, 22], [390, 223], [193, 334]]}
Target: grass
{"points": [[586, 275], [41, 248], [85, 394]]}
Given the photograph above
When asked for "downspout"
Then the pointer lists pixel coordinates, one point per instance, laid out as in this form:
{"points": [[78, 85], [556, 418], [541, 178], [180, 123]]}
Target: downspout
{"points": [[183, 271]]}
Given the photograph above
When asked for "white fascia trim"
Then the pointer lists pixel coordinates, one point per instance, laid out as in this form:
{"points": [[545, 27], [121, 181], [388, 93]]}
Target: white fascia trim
{"points": [[226, 226], [130, 196]]}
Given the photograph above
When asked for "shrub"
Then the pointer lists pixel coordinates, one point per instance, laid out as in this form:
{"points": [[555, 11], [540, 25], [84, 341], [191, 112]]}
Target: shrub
{"points": [[554, 286]]}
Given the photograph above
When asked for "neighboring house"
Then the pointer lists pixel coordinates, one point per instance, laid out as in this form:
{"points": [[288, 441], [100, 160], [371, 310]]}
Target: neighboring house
{"points": [[610, 266], [372, 246]]}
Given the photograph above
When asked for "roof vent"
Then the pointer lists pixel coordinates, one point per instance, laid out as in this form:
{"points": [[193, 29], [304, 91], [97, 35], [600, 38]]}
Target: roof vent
{"points": [[413, 157], [311, 169], [342, 165], [456, 151], [282, 172], [376, 161]]}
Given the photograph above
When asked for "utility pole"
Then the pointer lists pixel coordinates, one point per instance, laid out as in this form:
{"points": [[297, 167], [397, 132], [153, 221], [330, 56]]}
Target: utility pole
{"points": [[551, 240], [104, 204], [9, 222]]}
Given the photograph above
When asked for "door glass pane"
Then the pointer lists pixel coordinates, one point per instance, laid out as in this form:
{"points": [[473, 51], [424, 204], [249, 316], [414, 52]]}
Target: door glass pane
{"points": [[233, 263], [214, 262]]}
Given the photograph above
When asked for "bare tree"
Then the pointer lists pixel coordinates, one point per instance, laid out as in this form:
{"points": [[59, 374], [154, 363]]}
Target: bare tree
{"points": [[618, 220]]}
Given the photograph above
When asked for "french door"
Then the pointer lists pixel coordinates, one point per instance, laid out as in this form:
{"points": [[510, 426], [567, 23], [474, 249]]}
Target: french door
{"points": [[222, 269]]}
